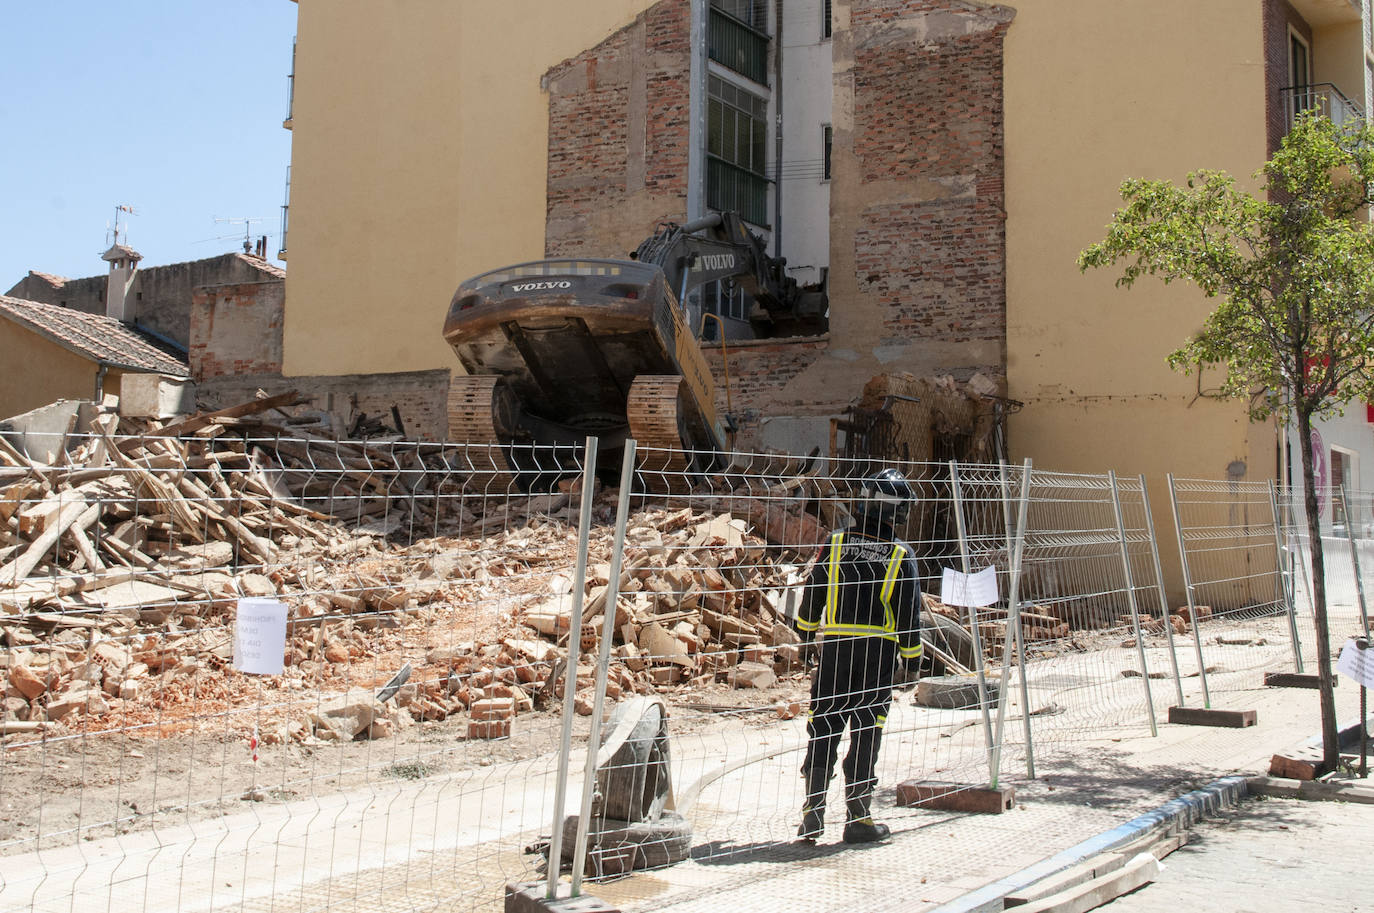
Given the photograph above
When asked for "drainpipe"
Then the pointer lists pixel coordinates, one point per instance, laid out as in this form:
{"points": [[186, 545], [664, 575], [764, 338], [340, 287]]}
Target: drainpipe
{"points": [[100, 382], [696, 112], [777, 141]]}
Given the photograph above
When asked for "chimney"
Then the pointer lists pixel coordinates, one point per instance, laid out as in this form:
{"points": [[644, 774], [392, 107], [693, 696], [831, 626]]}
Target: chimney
{"points": [[123, 265]]}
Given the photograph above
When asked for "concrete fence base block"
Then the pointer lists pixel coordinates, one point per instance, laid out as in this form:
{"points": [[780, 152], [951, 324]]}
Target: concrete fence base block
{"points": [[956, 797], [1295, 680], [530, 898], [1226, 719]]}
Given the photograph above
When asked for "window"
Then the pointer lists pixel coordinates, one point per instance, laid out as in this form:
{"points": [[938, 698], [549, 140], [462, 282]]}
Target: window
{"points": [[825, 152], [825, 19], [1342, 475], [725, 298], [1298, 61], [737, 151], [736, 37], [753, 13]]}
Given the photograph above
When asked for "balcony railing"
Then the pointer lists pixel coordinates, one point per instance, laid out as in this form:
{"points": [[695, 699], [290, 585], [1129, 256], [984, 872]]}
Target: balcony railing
{"points": [[730, 188], [285, 212], [290, 89], [1322, 97], [735, 45]]}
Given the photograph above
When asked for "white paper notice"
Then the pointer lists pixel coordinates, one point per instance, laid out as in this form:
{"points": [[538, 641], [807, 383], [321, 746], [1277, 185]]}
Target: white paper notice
{"points": [[1357, 664], [978, 589], [260, 636]]}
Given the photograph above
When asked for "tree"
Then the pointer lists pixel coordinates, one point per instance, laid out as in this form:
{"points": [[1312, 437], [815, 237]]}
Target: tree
{"points": [[1294, 272]]}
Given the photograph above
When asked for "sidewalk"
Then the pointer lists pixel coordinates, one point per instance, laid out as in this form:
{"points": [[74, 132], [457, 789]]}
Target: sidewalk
{"points": [[936, 858]]}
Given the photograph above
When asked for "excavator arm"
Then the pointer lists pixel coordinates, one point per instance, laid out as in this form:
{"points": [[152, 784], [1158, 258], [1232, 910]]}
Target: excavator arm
{"points": [[719, 246]]}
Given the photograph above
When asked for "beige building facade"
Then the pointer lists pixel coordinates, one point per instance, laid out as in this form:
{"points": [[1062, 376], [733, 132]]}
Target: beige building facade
{"points": [[974, 149]]}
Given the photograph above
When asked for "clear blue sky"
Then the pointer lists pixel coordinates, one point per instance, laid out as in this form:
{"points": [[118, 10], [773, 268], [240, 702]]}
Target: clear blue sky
{"points": [[172, 106]]}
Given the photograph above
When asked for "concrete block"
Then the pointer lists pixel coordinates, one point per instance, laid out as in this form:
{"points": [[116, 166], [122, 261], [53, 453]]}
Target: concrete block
{"points": [[530, 898], [957, 797], [1197, 716], [1295, 680], [156, 395], [1298, 764]]}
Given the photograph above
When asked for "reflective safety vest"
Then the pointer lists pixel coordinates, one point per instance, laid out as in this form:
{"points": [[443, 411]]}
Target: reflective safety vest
{"points": [[870, 589]]}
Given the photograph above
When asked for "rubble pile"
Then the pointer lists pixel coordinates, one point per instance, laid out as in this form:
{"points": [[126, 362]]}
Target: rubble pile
{"points": [[120, 567]]}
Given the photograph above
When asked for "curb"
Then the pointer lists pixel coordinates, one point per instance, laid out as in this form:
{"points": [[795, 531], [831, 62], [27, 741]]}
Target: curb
{"points": [[1178, 813]]}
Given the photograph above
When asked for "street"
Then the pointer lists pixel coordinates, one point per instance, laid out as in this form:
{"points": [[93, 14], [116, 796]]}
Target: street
{"points": [[1266, 855]]}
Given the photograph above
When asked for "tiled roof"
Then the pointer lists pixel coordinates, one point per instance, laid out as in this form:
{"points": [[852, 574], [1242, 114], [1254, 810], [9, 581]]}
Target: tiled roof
{"points": [[268, 268], [54, 281], [94, 336]]}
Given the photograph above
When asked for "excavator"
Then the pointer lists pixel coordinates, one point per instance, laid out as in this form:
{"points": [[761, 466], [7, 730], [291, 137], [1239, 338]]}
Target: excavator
{"points": [[558, 350]]}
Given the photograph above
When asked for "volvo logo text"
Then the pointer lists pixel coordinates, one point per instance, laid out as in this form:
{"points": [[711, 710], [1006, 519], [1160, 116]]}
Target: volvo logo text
{"points": [[541, 286]]}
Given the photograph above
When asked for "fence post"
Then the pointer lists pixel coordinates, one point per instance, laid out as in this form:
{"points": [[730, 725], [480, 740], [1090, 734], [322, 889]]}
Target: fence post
{"points": [[1014, 623], [1188, 592], [622, 510], [1355, 560], [1279, 580], [1130, 599], [560, 795], [980, 668], [1159, 582]]}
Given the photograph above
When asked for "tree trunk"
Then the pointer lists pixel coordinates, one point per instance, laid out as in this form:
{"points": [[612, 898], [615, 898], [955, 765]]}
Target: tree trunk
{"points": [[1331, 749]]}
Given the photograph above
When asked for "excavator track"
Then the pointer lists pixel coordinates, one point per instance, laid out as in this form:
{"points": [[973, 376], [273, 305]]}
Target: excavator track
{"points": [[655, 414], [479, 414]]}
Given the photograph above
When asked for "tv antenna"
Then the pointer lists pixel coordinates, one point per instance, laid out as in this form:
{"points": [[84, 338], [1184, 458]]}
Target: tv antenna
{"points": [[112, 234], [247, 230]]}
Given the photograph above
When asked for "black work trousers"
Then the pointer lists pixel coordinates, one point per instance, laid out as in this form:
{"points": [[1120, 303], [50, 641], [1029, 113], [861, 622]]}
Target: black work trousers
{"points": [[852, 686]]}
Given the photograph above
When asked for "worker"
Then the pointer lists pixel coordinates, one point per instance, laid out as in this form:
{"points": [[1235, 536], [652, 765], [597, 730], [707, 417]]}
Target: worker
{"points": [[862, 605]]}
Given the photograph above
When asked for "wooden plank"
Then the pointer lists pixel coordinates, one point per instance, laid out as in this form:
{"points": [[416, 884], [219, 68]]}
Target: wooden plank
{"points": [[196, 422], [79, 515], [1142, 869], [1226, 719]]}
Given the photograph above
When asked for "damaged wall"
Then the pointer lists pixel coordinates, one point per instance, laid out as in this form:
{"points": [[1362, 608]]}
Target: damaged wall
{"points": [[918, 261], [618, 136], [236, 329], [236, 333], [421, 397]]}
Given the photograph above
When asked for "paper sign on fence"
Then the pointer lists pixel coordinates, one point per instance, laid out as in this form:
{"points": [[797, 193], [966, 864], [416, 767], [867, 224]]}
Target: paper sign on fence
{"points": [[977, 589], [259, 636], [1356, 663]]}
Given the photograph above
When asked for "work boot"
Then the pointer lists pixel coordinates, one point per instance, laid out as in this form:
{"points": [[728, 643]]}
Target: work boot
{"points": [[865, 830], [860, 828], [813, 812], [812, 824]]}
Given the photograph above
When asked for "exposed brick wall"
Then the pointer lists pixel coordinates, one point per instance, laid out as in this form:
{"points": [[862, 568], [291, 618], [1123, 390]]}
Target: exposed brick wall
{"points": [[236, 329], [1279, 16], [618, 136], [760, 374], [926, 161], [420, 396]]}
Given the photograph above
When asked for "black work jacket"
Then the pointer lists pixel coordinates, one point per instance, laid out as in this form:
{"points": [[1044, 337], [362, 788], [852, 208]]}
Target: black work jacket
{"points": [[864, 585]]}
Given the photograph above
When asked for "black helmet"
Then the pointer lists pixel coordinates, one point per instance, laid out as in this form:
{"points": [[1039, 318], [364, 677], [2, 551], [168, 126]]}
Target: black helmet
{"points": [[887, 496]]}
